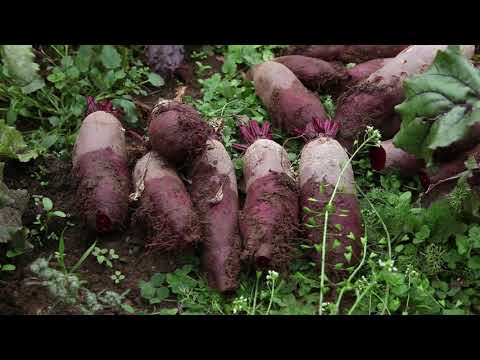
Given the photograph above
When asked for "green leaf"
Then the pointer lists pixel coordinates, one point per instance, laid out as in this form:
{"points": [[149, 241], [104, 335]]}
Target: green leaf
{"points": [[110, 57], [58, 213], [441, 105], [128, 107], [47, 204], [155, 80], [19, 63], [162, 293], [474, 263], [147, 291], [12, 144], [157, 280], [8, 267], [453, 312]]}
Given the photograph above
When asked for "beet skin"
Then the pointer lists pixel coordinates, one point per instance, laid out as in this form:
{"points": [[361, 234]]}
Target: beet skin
{"points": [[166, 211], [269, 221], [316, 74], [346, 53], [177, 132], [102, 181], [290, 105], [100, 172], [321, 162], [214, 195]]}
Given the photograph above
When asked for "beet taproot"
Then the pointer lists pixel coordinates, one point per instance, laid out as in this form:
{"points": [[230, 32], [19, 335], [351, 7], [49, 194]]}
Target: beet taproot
{"points": [[316, 74], [269, 218], [364, 70], [321, 162], [166, 211], [100, 172], [290, 105], [373, 100], [346, 53], [214, 194], [177, 132]]}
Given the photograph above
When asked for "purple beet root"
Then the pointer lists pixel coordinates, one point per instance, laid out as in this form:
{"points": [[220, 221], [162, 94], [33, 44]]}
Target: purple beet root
{"points": [[269, 219], [321, 162], [177, 132], [165, 59], [214, 195], [100, 172], [387, 157], [389, 128], [166, 211], [364, 70], [372, 101], [346, 53], [316, 74], [290, 105], [448, 169]]}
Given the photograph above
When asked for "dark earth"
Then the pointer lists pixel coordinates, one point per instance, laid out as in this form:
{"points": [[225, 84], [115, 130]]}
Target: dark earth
{"points": [[17, 293]]}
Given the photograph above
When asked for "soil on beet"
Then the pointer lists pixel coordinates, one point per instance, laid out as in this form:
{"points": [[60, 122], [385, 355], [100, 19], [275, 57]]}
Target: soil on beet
{"points": [[20, 292]]}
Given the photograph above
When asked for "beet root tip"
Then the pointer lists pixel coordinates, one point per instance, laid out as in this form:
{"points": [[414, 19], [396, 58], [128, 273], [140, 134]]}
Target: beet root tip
{"points": [[263, 255], [378, 158]]}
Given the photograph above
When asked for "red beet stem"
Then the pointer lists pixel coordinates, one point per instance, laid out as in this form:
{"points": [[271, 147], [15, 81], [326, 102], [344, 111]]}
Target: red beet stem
{"points": [[253, 132], [378, 158]]}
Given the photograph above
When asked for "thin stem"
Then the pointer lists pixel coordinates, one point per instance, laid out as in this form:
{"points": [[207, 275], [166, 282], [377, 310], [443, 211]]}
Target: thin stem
{"points": [[337, 306], [271, 297], [255, 296], [367, 289]]}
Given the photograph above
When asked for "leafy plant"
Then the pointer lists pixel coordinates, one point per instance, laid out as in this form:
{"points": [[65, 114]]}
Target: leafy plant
{"points": [[441, 104], [12, 144], [42, 220], [117, 277], [105, 256]]}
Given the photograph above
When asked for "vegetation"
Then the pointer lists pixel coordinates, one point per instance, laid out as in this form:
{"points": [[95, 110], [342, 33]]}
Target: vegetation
{"points": [[415, 259]]}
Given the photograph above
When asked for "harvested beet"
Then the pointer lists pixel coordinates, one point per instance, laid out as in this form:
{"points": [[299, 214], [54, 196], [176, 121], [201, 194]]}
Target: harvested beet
{"points": [[387, 157], [448, 169], [316, 74], [214, 195], [166, 211], [165, 59], [269, 219], [290, 105], [100, 172], [346, 53], [389, 128], [177, 132], [364, 70], [372, 101], [321, 162]]}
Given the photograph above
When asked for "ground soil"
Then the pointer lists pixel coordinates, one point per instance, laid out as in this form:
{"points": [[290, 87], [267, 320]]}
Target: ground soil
{"points": [[17, 294]]}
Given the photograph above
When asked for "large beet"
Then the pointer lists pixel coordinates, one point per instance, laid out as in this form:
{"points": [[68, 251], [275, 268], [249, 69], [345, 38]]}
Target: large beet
{"points": [[165, 59], [166, 211], [316, 74], [269, 218], [100, 172], [290, 105], [214, 195], [373, 100], [346, 53], [321, 162]]}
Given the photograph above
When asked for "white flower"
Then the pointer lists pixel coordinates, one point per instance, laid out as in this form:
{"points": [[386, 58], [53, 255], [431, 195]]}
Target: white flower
{"points": [[272, 275]]}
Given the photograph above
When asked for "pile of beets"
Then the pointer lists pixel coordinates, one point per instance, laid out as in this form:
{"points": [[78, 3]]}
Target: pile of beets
{"points": [[186, 184]]}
